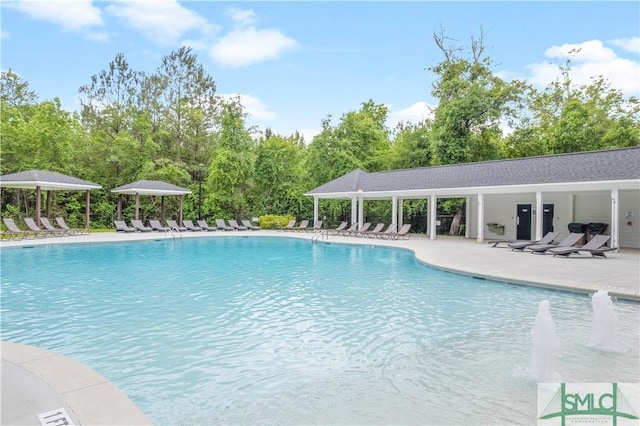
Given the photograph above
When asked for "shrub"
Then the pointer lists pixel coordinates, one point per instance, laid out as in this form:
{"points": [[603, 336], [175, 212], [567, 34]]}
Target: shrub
{"points": [[272, 221]]}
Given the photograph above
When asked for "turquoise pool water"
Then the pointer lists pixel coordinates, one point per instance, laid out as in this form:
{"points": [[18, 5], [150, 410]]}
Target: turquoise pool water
{"points": [[268, 330]]}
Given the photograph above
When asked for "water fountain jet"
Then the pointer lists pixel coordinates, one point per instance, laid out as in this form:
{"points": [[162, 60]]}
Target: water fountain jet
{"points": [[543, 356], [604, 328]]}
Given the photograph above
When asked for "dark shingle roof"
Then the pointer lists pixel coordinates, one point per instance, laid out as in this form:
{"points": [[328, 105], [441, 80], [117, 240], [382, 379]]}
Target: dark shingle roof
{"points": [[593, 166], [151, 187], [46, 180]]}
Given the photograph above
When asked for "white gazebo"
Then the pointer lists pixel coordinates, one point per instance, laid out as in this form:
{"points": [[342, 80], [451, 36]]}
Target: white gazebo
{"points": [[40, 180], [153, 188]]}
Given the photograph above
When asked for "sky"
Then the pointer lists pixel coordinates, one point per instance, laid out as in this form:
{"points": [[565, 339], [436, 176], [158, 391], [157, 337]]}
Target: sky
{"points": [[295, 63]]}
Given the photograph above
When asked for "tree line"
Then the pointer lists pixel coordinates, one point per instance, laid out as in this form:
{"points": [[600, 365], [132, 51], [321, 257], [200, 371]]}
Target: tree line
{"points": [[172, 125]]}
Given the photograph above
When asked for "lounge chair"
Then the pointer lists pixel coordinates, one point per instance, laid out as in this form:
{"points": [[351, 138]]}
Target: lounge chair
{"points": [[223, 226], [596, 247], [140, 226], [387, 233], [403, 233], [13, 232], [521, 245], [33, 227], [349, 230], [157, 226], [364, 228], [571, 240], [304, 225], [250, 226], [49, 227], [175, 227], [121, 226], [317, 226], [235, 225], [289, 226], [204, 225], [190, 226], [374, 232], [72, 231], [341, 227]]}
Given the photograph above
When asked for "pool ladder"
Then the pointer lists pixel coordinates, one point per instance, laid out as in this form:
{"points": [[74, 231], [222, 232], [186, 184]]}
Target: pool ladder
{"points": [[323, 234], [175, 232]]}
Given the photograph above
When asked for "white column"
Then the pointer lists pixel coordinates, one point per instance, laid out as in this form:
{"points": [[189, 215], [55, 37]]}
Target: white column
{"points": [[480, 238], [539, 215], [394, 210], [315, 209], [399, 220], [433, 214], [360, 211], [615, 218], [467, 218], [570, 218], [354, 210]]}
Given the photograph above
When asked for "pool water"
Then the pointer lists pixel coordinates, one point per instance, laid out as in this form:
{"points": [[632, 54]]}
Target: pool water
{"points": [[272, 330]]}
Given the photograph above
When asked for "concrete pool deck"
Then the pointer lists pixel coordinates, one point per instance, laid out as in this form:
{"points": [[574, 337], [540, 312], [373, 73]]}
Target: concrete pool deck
{"points": [[35, 381]]}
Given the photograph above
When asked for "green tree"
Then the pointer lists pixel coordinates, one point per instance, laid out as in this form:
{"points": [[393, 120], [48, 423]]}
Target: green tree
{"points": [[411, 146]]}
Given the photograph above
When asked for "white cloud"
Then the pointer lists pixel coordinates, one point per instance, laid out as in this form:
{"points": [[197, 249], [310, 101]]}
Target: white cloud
{"points": [[249, 46], [630, 44], [77, 15], [588, 60], [415, 113], [163, 21], [242, 17], [253, 106]]}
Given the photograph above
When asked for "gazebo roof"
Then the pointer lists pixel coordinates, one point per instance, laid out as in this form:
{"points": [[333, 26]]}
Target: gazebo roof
{"points": [[150, 187], [45, 180]]}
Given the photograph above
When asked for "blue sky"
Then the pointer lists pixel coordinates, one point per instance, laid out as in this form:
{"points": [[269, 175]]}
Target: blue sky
{"points": [[295, 63]]}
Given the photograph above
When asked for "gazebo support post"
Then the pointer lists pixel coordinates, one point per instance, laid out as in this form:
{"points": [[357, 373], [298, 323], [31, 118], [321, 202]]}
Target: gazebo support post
{"points": [[119, 206], [180, 212], [48, 204], [38, 202], [87, 220], [162, 208], [137, 206]]}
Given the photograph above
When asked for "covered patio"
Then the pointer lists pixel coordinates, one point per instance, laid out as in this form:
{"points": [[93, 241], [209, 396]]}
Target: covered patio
{"points": [[153, 188], [40, 180]]}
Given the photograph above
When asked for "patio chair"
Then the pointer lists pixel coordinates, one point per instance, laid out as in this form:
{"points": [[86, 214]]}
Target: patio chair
{"points": [[235, 225], [289, 226], [49, 227], [223, 226], [175, 227], [364, 228], [571, 240], [121, 226], [204, 225], [521, 245], [33, 227], [13, 232], [341, 227], [349, 230], [139, 226], [72, 231], [304, 225], [157, 226], [317, 226], [403, 233], [595, 247], [190, 226], [391, 230], [374, 232], [249, 226]]}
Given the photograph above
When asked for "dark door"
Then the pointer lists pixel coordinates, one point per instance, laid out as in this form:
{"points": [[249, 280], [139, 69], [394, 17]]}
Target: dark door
{"points": [[547, 218], [523, 222]]}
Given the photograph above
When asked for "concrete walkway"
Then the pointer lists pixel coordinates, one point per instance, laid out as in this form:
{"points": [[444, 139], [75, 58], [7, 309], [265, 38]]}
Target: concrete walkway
{"points": [[35, 381]]}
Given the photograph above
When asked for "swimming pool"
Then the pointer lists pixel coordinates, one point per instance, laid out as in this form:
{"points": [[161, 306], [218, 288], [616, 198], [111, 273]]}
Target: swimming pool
{"points": [[274, 330]]}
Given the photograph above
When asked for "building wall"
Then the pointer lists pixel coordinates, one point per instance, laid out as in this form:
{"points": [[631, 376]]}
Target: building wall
{"points": [[580, 207]]}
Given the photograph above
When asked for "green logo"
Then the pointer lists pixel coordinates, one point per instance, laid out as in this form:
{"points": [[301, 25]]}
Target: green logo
{"points": [[612, 403]]}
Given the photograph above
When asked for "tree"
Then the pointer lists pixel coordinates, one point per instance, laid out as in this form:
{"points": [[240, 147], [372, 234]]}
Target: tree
{"points": [[473, 102], [411, 146]]}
